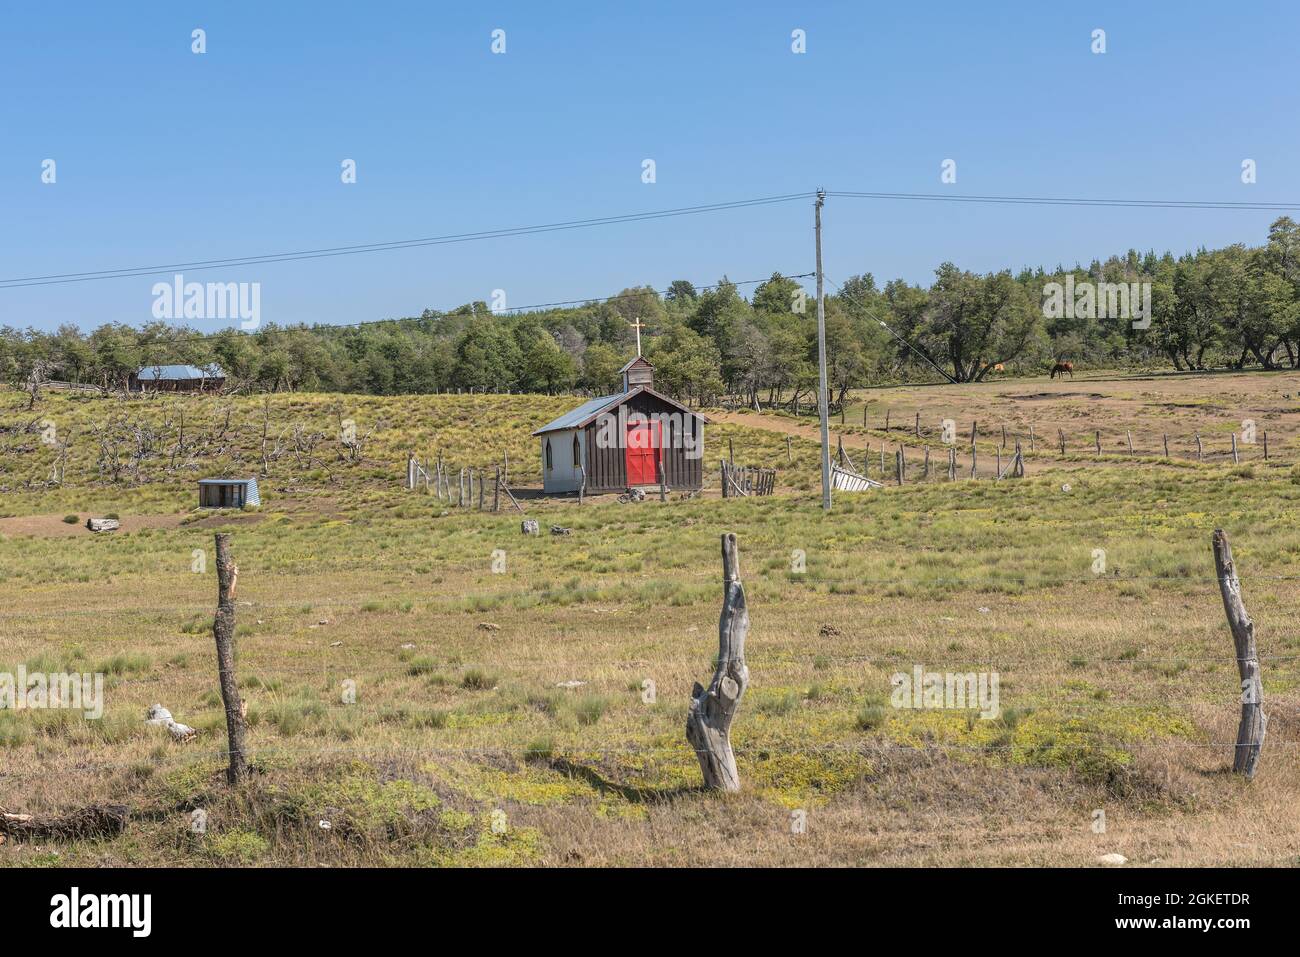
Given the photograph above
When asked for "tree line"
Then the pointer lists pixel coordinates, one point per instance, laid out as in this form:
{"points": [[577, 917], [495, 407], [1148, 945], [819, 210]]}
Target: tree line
{"points": [[1234, 307]]}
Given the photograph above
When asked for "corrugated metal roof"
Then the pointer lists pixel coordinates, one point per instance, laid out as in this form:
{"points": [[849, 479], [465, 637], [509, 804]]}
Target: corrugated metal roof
{"points": [[156, 373], [571, 419], [230, 481]]}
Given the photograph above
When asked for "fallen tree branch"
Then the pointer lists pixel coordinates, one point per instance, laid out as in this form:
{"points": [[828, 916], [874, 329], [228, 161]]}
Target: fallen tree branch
{"points": [[97, 820]]}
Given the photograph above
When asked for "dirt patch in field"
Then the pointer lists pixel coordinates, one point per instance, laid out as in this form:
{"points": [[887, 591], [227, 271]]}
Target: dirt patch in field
{"points": [[53, 526], [1040, 396]]}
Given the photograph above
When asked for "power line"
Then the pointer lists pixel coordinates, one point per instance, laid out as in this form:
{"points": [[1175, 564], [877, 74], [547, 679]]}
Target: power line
{"points": [[327, 252], [1066, 201]]}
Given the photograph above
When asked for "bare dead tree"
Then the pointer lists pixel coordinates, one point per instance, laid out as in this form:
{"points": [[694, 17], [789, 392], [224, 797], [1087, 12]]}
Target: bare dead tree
{"points": [[1250, 732], [37, 376], [708, 723], [223, 631]]}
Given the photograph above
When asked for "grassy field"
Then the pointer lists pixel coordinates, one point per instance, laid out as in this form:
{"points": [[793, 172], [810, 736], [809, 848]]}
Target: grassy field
{"points": [[1118, 688]]}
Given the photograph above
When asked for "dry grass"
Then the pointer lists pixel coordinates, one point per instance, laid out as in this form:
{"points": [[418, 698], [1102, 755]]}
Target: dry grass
{"points": [[1118, 691]]}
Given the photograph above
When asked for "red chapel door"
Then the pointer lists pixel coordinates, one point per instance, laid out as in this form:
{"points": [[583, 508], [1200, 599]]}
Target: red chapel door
{"points": [[642, 456]]}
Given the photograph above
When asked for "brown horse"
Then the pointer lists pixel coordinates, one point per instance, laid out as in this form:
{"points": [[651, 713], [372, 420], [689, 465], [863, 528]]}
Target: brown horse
{"points": [[1062, 368]]}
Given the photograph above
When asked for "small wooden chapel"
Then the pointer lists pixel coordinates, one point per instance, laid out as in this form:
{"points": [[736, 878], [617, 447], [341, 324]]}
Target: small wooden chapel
{"points": [[634, 438]]}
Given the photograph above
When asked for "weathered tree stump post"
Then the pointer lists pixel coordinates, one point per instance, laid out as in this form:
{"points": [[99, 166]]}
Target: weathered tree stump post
{"points": [[223, 631], [1250, 732], [708, 723], [1235, 459], [898, 466]]}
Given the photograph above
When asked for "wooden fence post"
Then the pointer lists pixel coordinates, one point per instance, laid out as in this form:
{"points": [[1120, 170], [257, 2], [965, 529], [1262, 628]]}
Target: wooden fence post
{"points": [[1235, 459], [496, 492], [973, 427], [972, 460], [1061, 433], [1129, 434], [708, 722], [223, 631], [918, 425], [925, 468], [1165, 436], [1265, 436], [1250, 732], [898, 465], [1098, 433], [886, 420], [480, 490], [1200, 452], [788, 455], [1004, 436], [952, 464], [1031, 436]]}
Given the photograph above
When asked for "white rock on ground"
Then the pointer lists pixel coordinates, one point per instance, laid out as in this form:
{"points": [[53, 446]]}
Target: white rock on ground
{"points": [[159, 715], [1112, 860]]}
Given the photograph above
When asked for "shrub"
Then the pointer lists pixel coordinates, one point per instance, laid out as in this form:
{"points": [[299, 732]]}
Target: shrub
{"points": [[476, 680], [589, 709], [71, 519], [542, 749]]}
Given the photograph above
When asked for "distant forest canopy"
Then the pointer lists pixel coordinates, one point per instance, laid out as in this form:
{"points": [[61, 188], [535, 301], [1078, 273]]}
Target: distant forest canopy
{"points": [[1233, 307]]}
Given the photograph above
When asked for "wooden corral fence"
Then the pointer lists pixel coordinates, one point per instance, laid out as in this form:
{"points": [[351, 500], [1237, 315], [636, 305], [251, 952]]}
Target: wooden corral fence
{"points": [[746, 480], [465, 487]]}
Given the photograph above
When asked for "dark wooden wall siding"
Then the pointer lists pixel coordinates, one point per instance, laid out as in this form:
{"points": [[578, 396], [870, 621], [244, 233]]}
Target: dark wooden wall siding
{"points": [[607, 468]]}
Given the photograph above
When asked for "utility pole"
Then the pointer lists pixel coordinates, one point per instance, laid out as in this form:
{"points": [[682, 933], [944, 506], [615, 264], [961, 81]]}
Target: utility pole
{"points": [[822, 403]]}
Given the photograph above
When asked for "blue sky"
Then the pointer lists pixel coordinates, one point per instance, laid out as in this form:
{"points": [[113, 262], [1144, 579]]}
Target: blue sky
{"points": [[163, 155]]}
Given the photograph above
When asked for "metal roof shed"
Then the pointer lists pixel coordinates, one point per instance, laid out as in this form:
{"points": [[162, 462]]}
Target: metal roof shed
{"points": [[228, 492]]}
